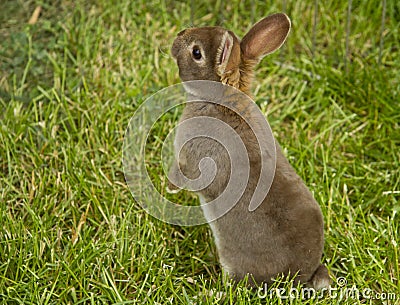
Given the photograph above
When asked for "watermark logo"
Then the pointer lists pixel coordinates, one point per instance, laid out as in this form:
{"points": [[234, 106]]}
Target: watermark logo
{"points": [[203, 127], [341, 292]]}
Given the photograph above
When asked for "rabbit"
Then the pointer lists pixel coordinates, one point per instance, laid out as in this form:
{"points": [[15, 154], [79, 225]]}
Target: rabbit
{"points": [[284, 235]]}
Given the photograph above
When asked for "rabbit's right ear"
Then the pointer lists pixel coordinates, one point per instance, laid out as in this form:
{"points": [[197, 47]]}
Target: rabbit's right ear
{"points": [[265, 37]]}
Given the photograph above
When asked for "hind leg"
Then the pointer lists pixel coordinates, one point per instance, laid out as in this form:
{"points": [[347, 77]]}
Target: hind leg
{"points": [[320, 278]]}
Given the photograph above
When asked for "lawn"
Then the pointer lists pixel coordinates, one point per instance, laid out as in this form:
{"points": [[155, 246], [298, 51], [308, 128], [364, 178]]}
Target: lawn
{"points": [[71, 79]]}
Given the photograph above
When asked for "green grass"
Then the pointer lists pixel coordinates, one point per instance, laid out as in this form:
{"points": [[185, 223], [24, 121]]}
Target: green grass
{"points": [[70, 231]]}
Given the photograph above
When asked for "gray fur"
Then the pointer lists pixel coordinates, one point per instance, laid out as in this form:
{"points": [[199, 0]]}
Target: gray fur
{"points": [[284, 235]]}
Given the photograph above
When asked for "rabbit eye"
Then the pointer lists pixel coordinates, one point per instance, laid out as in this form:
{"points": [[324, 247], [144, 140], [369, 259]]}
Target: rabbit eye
{"points": [[196, 53]]}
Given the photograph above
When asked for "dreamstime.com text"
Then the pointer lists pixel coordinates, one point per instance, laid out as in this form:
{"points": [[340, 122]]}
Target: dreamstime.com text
{"points": [[336, 293]]}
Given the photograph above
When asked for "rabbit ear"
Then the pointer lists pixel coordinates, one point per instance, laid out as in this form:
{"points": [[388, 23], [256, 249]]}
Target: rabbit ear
{"points": [[266, 36], [224, 52], [228, 53]]}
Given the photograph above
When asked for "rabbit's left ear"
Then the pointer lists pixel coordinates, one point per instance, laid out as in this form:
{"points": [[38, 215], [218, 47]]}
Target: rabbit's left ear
{"points": [[266, 36], [228, 54]]}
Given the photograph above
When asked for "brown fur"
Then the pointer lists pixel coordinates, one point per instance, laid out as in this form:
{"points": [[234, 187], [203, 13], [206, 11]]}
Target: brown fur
{"points": [[284, 235]]}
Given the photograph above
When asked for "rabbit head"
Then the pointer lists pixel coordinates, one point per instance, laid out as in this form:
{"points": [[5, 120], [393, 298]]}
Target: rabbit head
{"points": [[216, 54]]}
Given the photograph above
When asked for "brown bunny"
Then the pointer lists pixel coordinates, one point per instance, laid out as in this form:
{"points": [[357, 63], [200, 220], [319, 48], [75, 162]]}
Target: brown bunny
{"points": [[284, 235]]}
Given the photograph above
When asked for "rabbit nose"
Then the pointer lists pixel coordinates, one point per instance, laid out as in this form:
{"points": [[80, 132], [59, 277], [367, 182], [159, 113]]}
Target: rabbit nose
{"points": [[176, 46]]}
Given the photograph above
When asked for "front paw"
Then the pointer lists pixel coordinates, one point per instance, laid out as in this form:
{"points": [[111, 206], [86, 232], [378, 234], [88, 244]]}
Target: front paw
{"points": [[172, 188]]}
